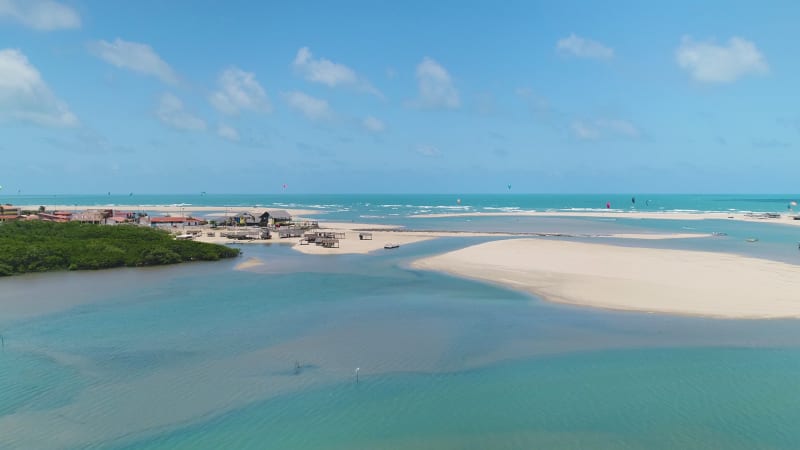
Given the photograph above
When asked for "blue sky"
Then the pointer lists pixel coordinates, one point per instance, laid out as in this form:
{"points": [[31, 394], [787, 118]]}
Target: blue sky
{"points": [[358, 96]]}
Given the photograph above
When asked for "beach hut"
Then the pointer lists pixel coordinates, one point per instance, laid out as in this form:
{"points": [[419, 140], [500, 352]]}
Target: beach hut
{"points": [[275, 217], [244, 219], [90, 216], [167, 222]]}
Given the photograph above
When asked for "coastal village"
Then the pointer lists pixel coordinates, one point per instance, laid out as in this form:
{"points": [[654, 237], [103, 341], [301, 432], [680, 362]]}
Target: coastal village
{"points": [[255, 224], [243, 226]]}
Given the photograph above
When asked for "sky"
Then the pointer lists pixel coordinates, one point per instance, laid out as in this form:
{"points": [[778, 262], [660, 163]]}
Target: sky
{"points": [[399, 97]]}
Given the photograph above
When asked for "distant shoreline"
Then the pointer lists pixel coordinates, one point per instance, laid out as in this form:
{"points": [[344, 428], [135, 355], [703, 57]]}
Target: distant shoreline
{"points": [[177, 209], [784, 219]]}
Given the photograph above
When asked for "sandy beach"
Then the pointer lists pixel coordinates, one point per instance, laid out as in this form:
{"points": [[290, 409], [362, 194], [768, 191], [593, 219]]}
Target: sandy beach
{"points": [[786, 219], [636, 279], [391, 234]]}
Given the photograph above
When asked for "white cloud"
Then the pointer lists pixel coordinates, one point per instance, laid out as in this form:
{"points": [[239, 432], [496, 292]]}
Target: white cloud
{"points": [[26, 97], [134, 56], [44, 15], [311, 107], [584, 48], [238, 91], [171, 112], [436, 90], [712, 63], [604, 128], [329, 73], [227, 132], [374, 125], [536, 103], [584, 131], [428, 150]]}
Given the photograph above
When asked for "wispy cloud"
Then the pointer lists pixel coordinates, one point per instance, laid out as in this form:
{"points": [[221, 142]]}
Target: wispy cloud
{"points": [[24, 95], [238, 91], [436, 89], [329, 73], [771, 143], [228, 132], [312, 107], [712, 63], [536, 103], [374, 125], [427, 150], [604, 128], [584, 48], [43, 15], [172, 113], [134, 56]]}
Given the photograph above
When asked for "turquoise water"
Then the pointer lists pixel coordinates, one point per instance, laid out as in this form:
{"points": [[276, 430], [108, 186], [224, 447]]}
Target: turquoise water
{"points": [[203, 356], [632, 399], [380, 207]]}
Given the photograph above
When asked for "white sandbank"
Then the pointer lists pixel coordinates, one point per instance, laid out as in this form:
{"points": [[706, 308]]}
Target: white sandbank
{"points": [[654, 236], [786, 219], [385, 234], [352, 245], [637, 279]]}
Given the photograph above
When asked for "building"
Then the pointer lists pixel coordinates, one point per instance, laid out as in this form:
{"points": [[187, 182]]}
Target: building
{"points": [[275, 217], [118, 217], [8, 212], [57, 216], [243, 219], [167, 222], [90, 216], [172, 222]]}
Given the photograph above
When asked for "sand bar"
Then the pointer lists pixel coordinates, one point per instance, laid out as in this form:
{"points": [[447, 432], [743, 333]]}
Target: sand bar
{"points": [[249, 263], [786, 219], [637, 279], [392, 234]]}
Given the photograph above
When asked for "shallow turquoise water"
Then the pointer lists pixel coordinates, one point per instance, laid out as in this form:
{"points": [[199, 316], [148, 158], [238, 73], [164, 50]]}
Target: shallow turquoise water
{"points": [[638, 399], [203, 356]]}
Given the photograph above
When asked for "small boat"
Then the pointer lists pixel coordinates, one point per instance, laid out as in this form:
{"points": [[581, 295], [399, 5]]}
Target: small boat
{"points": [[751, 240], [719, 233], [389, 246]]}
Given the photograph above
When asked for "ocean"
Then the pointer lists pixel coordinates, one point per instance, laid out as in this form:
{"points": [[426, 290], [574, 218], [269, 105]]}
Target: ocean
{"points": [[202, 356], [383, 206]]}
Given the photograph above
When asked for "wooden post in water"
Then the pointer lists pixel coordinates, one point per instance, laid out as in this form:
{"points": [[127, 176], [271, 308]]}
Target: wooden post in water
{"points": [[357, 369]]}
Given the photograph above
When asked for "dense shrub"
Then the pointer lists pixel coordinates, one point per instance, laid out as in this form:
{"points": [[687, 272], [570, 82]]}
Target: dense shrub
{"points": [[45, 246]]}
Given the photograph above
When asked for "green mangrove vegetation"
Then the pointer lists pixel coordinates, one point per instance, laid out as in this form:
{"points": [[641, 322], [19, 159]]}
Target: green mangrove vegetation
{"points": [[46, 246]]}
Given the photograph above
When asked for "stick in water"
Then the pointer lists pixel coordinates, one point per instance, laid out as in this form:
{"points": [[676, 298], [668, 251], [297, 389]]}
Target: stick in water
{"points": [[357, 369]]}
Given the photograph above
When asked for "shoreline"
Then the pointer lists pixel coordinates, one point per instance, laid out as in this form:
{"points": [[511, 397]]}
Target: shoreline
{"points": [[178, 210], [784, 219], [645, 280], [391, 234]]}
